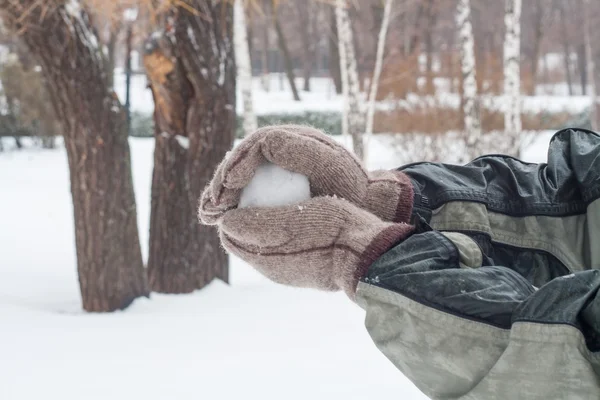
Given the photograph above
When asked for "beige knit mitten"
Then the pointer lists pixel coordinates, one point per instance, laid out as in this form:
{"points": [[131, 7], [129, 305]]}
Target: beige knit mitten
{"points": [[323, 243], [330, 168]]}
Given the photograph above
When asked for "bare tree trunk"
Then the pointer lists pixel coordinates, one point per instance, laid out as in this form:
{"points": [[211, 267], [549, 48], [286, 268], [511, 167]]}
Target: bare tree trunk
{"points": [[266, 46], [404, 32], [12, 119], [512, 74], [469, 83], [353, 118], [387, 11], [566, 49], [591, 67], [415, 46], [287, 59], [352, 17], [334, 54], [244, 66], [306, 17], [128, 73], [248, 21], [538, 34], [431, 22], [416, 33], [194, 90], [582, 66], [452, 70], [377, 10], [109, 259]]}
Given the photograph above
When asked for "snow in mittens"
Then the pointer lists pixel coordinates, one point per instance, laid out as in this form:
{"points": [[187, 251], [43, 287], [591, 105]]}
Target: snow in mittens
{"points": [[274, 186]]}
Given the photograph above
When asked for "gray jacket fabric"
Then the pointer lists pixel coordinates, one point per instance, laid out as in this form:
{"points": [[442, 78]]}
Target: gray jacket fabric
{"points": [[495, 295]]}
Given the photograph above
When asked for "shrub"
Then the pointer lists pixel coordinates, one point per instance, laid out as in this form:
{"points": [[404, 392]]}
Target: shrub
{"points": [[142, 125]]}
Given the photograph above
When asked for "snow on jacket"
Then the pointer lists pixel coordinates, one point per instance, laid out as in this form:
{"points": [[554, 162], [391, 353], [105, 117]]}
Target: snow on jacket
{"points": [[495, 296]]}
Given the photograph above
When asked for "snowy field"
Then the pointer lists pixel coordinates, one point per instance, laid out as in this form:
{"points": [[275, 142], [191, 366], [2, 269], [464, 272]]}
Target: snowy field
{"points": [[250, 340]]}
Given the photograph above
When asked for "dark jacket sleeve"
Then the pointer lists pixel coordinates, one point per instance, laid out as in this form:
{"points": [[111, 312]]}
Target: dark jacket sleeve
{"points": [[462, 325], [482, 333], [565, 185]]}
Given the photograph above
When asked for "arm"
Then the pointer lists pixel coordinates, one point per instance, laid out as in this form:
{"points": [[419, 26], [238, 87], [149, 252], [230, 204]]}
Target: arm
{"points": [[566, 184], [459, 332], [458, 326]]}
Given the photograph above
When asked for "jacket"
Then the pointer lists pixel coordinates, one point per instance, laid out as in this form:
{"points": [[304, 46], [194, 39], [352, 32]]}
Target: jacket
{"points": [[495, 295]]}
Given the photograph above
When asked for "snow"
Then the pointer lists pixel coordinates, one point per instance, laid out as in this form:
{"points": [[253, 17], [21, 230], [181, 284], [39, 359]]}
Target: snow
{"points": [[130, 14], [273, 186], [73, 8], [252, 339], [183, 141]]}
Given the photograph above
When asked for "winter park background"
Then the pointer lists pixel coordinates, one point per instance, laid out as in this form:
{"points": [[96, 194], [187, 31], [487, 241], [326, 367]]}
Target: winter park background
{"points": [[445, 72]]}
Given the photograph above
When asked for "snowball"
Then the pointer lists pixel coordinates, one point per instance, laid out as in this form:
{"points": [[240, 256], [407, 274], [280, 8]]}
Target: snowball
{"points": [[274, 186]]}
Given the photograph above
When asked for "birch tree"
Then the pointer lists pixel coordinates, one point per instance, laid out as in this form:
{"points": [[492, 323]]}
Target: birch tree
{"points": [[353, 121], [512, 72], [387, 11], [469, 84], [591, 67], [244, 66]]}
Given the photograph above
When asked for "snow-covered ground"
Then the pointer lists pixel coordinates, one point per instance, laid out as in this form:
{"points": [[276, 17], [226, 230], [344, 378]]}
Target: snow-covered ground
{"points": [[250, 340]]}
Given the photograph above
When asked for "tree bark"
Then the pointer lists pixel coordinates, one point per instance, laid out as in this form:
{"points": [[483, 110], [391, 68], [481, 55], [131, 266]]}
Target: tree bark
{"points": [[244, 66], [353, 122], [334, 54], [287, 59], [128, 72], [193, 85], [109, 260], [469, 83], [512, 74]]}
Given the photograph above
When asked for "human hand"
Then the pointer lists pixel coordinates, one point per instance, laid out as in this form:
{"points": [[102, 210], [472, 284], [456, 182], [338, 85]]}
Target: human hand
{"points": [[330, 168], [323, 243]]}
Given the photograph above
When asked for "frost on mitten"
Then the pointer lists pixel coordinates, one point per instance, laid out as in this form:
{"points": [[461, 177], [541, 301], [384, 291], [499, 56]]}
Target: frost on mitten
{"points": [[330, 168]]}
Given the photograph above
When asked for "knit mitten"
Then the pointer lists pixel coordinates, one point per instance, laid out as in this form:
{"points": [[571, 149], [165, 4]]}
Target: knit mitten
{"points": [[330, 168], [323, 243]]}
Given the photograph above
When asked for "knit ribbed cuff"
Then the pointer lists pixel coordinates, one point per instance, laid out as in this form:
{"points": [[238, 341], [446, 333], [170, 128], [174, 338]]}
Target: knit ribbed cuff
{"points": [[383, 242]]}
